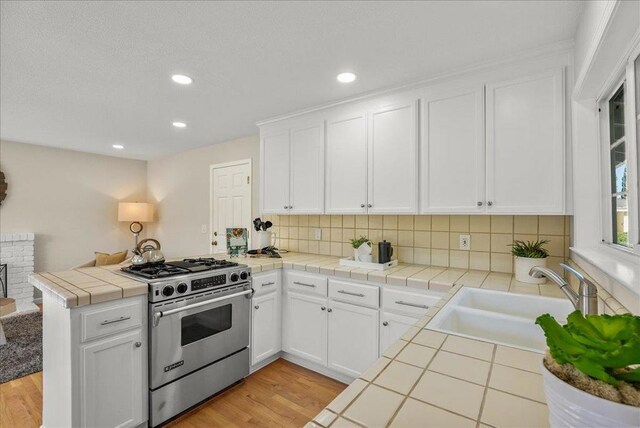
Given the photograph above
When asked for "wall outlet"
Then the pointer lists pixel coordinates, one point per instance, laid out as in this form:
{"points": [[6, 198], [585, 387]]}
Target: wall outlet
{"points": [[203, 228], [465, 242], [318, 234]]}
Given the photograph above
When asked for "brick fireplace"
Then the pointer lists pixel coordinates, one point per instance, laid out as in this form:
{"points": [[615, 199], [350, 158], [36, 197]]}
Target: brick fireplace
{"points": [[16, 251]]}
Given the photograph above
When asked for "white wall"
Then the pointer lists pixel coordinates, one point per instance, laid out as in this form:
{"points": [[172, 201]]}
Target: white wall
{"points": [[179, 186], [69, 200]]}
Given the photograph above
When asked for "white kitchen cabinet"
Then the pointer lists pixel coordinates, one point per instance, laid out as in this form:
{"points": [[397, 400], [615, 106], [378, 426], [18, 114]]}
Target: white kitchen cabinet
{"points": [[112, 387], [392, 327], [346, 181], [274, 174], [306, 329], [525, 144], [353, 338], [266, 326], [393, 159], [452, 151]]}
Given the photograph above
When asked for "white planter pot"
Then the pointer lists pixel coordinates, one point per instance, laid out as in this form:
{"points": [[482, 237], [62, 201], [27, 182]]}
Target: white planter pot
{"points": [[571, 407], [524, 265]]}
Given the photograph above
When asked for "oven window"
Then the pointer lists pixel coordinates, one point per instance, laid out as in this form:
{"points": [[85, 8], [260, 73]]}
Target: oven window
{"points": [[204, 324]]}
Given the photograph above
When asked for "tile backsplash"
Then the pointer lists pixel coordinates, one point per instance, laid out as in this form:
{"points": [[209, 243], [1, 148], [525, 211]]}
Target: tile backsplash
{"points": [[427, 239]]}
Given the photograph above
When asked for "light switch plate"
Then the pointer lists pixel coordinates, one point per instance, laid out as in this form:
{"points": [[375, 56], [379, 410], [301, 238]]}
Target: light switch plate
{"points": [[318, 234], [465, 242]]}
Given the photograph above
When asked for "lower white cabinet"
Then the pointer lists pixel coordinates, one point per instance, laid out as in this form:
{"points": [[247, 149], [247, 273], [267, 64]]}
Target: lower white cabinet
{"points": [[353, 338], [266, 326], [306, 327], [112, 382], [392, 327]]}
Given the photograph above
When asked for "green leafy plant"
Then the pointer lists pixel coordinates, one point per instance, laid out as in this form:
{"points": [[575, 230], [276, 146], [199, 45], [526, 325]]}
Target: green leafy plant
{"points": [[603, 347], [533, 250], [356, 242]]}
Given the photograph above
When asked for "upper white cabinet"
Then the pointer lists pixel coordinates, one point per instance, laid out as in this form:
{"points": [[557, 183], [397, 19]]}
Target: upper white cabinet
{"points": [[525, 144], [452, 151], [292, 170]]}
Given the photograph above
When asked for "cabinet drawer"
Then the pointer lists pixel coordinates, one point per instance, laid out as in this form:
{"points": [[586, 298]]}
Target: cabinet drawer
{"points": [[306, 283], [360, 294], [106, 321], [414, 304], [264, 283]]}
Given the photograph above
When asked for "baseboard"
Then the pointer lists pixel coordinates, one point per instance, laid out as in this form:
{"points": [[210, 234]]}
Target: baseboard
{"points": [[264, 363], [317, 368]]}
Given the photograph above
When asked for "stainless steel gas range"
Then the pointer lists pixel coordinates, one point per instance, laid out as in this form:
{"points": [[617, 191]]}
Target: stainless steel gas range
{"points": [[199, 318]]}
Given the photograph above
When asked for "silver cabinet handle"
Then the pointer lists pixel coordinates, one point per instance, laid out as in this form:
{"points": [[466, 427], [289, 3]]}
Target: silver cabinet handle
{"points": [[285, 207], [415, 305], [369, 205], [385, 323], [257, 306], [138, 344], [322, 308], [329, 310], [479, 203], [350, 293], [290, 206], [362, 205], [489, 203], [302, 283], [265, 284], [107, 322]]}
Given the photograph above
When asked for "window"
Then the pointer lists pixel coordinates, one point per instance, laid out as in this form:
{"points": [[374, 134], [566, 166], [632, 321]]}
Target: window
{"points": [[618, 165]]}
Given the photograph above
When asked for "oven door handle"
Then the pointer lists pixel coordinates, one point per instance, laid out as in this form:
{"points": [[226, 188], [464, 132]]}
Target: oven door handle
{"points": [[159, 314]]}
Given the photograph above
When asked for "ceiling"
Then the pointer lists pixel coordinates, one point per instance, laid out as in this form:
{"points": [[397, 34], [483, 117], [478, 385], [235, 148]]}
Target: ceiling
{"points": [[86, 75]]}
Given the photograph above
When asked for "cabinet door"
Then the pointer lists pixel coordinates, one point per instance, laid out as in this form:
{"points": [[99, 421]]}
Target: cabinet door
{"points": [[353, 338], [525, 145], [452, 168], [307, 170], [346, 181], [392, 327], [113, 393], [393, 160], [265, 332], [274, 173], [307, 327]]}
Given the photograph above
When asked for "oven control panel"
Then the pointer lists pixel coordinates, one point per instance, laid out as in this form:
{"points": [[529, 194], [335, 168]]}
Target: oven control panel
{"points": [[211, 281]]}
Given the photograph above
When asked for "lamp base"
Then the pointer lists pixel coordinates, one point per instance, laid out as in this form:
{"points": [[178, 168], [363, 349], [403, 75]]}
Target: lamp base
{"points": [[135, 228]]}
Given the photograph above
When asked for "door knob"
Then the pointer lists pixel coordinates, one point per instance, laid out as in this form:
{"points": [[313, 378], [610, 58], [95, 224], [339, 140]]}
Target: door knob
{"points": [[138, 344], [214, 243], [386, 323], [215, 233]]}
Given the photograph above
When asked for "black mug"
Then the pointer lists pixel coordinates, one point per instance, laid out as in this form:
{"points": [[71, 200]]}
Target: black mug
{"points": [[385, 251]]}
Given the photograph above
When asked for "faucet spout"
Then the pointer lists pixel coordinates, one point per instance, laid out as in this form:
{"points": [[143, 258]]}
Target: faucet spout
{"points": [[585, 300], [539, 272]]}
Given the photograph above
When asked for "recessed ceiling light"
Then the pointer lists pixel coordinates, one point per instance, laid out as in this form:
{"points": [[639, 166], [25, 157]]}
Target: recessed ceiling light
{"points": [[346, 77], [182, 79], [118, 146], [179, 124]]}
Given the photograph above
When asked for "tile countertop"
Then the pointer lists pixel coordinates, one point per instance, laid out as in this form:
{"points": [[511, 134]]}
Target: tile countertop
{"points": [[429, 378], [90, 285]]}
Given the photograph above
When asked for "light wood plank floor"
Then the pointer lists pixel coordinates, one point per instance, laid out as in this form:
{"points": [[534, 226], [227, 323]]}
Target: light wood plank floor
{"points": [[280, 395]]}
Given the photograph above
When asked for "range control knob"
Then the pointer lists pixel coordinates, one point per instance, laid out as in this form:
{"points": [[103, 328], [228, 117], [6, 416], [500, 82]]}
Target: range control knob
{"points": [[182, 288], [234, 277], [244, 275], [167, 290]]}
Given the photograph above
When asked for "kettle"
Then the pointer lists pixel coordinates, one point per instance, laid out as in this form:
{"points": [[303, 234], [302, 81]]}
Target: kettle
{"points": [[385, 251], [149, 251]]}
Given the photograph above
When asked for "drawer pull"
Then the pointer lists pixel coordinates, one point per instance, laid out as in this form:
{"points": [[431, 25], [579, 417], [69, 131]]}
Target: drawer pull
{"points": [[351, 294], [415, 305], [265, 284], [302, 283], [107, 322]]}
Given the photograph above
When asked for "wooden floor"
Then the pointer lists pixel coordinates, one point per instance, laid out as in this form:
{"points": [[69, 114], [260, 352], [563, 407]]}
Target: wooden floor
{"points": [[279, 395]]}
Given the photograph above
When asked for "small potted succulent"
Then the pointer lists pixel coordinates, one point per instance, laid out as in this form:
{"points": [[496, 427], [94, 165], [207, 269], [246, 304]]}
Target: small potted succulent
{"points": [[361, 249], [529, 254], [590, 371]]}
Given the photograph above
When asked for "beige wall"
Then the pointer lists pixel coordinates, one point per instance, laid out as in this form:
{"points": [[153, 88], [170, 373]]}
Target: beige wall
{"points": [[179, 185], [69, 200]]}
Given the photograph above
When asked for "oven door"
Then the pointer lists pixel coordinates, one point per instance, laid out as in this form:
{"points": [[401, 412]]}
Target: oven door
{"points": [[187, 335]]}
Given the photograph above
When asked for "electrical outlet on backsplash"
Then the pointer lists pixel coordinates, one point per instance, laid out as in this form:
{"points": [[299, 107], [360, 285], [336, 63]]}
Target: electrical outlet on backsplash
{"points": [[428, 239]]}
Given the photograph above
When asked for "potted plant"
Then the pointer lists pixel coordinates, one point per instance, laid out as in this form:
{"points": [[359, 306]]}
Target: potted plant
{"points": [[529, 254], [361, 249], [591, 373]]}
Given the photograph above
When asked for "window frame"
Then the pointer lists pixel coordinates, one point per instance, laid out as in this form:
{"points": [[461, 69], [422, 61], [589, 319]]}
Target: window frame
{"points": [[626, 78]]}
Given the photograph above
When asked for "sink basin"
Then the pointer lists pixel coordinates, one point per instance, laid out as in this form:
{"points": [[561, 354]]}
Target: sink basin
{"points": [[499, 317]]}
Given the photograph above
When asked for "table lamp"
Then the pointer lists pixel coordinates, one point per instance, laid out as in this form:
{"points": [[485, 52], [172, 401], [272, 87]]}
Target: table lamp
{"points": [[137, 213]]}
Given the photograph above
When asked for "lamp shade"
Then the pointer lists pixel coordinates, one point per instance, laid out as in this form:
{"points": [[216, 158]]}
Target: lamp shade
{"points": [[135, 211]]}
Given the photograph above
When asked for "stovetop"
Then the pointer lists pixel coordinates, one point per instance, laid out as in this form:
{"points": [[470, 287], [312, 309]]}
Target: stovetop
{"points": [[170, 269]]}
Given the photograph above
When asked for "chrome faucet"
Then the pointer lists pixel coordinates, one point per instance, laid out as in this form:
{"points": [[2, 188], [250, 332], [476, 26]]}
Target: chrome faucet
{"points": [[585, 300]]}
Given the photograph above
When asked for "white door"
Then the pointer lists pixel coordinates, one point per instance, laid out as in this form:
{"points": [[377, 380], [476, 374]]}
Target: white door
{"points": [[353, 338], [393, 159], [113, 393], [274, 173], [307, 170], [230, 201], [265, 333], [346, 180], [392, 327], [307, 327], [452, 151], [525, 145]]}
